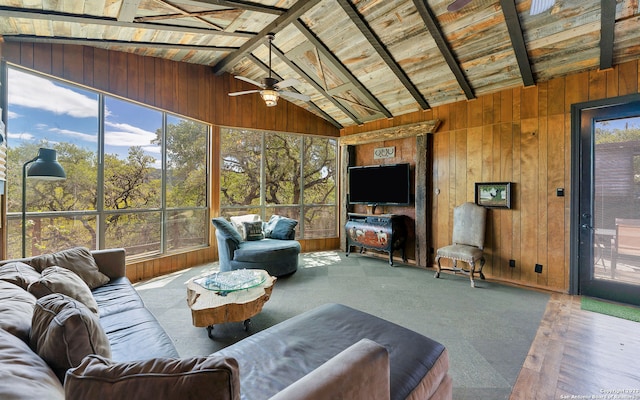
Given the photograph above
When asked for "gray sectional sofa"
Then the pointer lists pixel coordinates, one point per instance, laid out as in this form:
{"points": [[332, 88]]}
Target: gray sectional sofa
{"points": [[122, 352]]}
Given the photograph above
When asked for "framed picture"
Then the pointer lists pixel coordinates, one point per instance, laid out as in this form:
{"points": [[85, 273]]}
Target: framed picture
{"points": [[493, 194]]}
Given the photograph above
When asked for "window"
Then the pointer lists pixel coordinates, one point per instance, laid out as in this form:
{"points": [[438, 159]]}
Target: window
{"points": [[136, 176], [271, 173]]}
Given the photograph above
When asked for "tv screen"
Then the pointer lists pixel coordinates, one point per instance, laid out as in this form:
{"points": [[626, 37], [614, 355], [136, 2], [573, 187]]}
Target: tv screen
{"points": [[380, 184]]}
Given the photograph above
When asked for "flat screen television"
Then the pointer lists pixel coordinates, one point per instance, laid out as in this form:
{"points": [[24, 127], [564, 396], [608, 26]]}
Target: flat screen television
{"points": [[380, 184]]}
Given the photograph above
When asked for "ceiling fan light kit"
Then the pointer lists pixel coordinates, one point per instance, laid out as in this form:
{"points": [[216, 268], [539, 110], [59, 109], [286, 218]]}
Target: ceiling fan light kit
{"points": [[270, 97]]}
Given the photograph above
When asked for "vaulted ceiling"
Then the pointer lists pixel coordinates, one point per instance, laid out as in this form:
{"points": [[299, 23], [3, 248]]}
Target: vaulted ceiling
{"points": [[357, 60]]}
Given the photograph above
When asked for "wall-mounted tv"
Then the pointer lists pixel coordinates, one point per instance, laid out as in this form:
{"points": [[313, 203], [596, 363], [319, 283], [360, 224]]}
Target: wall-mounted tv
{"points": [[380, 184]]}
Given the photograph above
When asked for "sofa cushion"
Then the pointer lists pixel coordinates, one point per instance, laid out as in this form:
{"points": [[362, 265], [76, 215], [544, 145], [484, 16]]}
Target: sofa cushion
{"points": [[24, 375], [238, 220], [116, 296], [361, 372], [78, 260], [136, 335], [64, 331], [308, 340], [19, 273], [62, 280], [280, 227], [266, 250], [158, 378], [227, 230], [253, 230], [16, 310]]}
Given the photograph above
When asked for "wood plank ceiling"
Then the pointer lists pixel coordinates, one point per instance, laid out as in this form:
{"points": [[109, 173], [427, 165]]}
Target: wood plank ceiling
{"points": [[358, 60]]}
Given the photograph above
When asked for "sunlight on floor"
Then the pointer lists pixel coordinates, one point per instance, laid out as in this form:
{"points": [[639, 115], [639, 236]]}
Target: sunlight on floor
{"points": [[320, 259], [160, 281]]}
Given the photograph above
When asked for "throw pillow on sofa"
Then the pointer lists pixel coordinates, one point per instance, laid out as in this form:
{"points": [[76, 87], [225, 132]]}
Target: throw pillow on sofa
{"points": [[226, 229], [24, 374], [62, 280], [280, 227], [253, 230], [19, 273], [239, 220], [77, 259], [64, 331], [16, 310], [211, 377]]}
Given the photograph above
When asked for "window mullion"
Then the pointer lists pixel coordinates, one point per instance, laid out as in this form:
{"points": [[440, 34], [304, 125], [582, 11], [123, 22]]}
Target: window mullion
{"points": [[101, 225]]}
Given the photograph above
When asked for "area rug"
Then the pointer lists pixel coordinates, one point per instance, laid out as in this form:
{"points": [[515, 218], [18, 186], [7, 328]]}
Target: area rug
{"points": [[613, 309]]}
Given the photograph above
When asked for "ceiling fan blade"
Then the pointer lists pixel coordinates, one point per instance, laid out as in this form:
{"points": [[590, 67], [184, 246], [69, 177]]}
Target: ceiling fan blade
{"points": [[540, 6], [457, 4], [244, 92], [293, 95], [287, 83], [251, 81]]}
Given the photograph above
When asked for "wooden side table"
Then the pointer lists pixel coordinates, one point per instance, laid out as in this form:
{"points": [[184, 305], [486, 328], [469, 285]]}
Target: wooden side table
{"points": [[210, 307]]}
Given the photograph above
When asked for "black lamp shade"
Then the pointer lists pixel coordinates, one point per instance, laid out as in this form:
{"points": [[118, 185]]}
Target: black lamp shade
{"points": [[46, 166]]}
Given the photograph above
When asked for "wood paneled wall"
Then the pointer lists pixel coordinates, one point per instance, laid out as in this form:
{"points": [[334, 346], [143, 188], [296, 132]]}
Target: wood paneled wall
{"points": [[187, 89], [521, 135]]}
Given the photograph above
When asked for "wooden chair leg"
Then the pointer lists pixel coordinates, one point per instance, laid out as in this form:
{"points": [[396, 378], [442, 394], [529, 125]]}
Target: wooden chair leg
{"points": [[472, 271], [438, 267]]}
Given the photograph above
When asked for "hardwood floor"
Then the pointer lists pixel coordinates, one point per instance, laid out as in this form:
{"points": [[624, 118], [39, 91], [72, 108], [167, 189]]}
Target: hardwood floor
{"points": [[580, 354]]}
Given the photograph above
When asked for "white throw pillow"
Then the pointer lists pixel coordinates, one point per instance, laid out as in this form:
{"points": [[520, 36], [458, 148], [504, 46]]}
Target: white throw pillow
{"points": [[238, 220]]}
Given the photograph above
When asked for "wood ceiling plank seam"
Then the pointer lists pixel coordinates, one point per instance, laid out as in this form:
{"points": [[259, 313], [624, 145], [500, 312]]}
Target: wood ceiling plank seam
{"points": [[311, 104], [443, 45], [383, 52], [70, 18], [242, 5], [607, 33], [275, 26], [337, 64], [517, 41], [315, 84], [128, 10]]}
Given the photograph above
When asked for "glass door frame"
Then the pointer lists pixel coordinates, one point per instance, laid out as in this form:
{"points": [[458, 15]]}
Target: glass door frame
{"points": [[581, 278]]}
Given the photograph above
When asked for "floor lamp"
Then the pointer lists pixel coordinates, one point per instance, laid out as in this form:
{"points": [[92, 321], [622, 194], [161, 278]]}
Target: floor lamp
{"points": [[45, 167]]}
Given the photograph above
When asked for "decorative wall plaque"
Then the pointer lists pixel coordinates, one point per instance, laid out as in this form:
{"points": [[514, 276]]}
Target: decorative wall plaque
{"points": [[384, 152]]}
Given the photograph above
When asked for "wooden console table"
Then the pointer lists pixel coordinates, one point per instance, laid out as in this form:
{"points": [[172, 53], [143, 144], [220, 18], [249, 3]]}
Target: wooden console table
{"points": [[384, 232]]}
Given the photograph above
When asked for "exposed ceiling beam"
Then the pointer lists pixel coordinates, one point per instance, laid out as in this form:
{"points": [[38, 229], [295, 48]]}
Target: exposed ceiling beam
{"points": [[331, 58], [188, 14], [89, 19], [121, 43], [242, 5], [128, 10], [311, 104], [382, 50], [184, 15], [313, 83], [607, 32], [430, 21], [517, 41], [299, 8]]}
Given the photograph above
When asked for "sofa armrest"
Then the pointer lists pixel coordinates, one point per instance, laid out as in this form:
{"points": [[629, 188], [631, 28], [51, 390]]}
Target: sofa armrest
{"points": [[361, 372], [111, 262]]}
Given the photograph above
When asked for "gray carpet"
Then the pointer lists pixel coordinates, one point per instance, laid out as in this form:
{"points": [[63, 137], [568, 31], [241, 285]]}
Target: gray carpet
{"points": [[487, 330]]}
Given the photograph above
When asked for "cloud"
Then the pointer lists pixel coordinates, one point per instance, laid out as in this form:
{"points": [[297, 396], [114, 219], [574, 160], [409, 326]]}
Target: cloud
{"points": [[20, 136], [13, 115], [74, 134], [40, 93], [119, 134]]}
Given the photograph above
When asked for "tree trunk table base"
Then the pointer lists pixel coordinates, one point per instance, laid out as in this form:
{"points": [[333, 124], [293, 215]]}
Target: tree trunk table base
{"points": [[211, 307]]}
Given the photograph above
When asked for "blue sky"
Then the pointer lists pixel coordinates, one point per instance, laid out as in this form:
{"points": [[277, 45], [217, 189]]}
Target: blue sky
{"points": [[40, 108]]}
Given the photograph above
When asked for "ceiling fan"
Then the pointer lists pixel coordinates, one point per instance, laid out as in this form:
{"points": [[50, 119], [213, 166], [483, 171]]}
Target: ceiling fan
{"points": [[271, 88], [537, 6]]}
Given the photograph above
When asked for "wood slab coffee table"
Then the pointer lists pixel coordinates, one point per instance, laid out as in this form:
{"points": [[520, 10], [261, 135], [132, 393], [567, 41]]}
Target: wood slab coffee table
{"points": [[232, 296]]}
